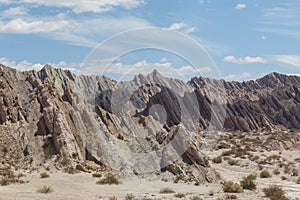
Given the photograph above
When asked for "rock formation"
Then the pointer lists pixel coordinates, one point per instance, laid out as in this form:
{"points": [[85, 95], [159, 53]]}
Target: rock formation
{"points": [[54, 118]]}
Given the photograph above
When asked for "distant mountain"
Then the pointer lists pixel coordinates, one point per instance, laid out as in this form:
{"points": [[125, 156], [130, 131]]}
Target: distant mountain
{"points": [[54, 118]]}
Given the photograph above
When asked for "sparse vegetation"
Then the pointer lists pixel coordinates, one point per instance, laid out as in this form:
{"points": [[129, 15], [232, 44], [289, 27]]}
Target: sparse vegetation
{"points": [[44, 175], [109, 179], [260, 167], [248, 182], [196, 198], [129, 197], [45, 189], [284, 178], [166, 191], [113, 198], [276, 171], [217, 160], [97, 175], [232, 187], [265, 174], [8, 177], [298, 181], [275, 192], [65, 162], [4, 182], [232, 162], [179, 195], [231, 197]]}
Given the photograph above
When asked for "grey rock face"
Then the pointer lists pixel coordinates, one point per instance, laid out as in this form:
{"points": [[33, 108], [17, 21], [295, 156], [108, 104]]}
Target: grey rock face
{"points": [[150, 124]]}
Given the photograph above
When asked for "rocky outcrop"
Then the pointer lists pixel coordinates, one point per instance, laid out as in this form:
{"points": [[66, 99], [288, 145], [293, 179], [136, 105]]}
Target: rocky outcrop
{"points": [[54, 118]]}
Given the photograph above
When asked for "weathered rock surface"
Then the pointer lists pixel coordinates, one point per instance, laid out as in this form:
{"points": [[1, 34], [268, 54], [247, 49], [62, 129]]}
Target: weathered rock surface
{"points": [[150, 124]]}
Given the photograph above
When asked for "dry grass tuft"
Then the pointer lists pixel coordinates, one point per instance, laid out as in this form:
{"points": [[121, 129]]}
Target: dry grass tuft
{"points": [[232, 187], [45, 189], [109, 179], [44, 175], [179, 195], [275, 192], [166, 191]]}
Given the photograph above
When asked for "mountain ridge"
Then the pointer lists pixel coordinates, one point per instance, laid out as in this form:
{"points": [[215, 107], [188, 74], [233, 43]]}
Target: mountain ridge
{"points": [[54, 118]]}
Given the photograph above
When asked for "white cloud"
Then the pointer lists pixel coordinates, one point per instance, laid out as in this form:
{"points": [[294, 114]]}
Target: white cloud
{"points": [[21, 66], [182, 27], [143, 67], [240, 6], [21, 26], [26, 65], [190, 30], [163, 60], [15, 11], [237, 77], [79, 6], [91, 32], [177, 26], [283, 19], [293, 74], [246, 60], [293, 60]]}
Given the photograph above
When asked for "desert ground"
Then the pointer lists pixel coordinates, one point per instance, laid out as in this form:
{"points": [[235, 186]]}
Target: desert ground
{"points": [[283, 166]]}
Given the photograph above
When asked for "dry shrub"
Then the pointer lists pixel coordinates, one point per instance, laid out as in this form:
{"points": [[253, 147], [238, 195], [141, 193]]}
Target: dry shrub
{"points": [[231, 197], [275, 192], [179, 195], [166, 191], [217, 160], [265, 174], [129, 197], [44, 175], [232, 187], [97, 175], [45, 189], [109, 179], [276, 171], [248, 182]]}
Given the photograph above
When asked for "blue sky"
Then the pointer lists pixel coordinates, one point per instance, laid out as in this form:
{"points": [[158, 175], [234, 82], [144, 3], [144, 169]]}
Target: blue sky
{"points": [[245, 39]]}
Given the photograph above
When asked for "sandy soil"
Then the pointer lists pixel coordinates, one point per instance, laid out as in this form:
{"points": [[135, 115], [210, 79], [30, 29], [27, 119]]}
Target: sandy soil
{"points": [[83, 185]]}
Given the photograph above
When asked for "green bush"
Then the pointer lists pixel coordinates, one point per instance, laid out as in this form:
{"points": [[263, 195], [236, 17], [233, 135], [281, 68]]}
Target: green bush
{"points": [[275, 193], [232, 187], [265, 174], [248, 182]]}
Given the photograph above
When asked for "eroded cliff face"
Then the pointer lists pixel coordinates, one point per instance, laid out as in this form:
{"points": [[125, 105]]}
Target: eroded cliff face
{"points": [[53, 118]]}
